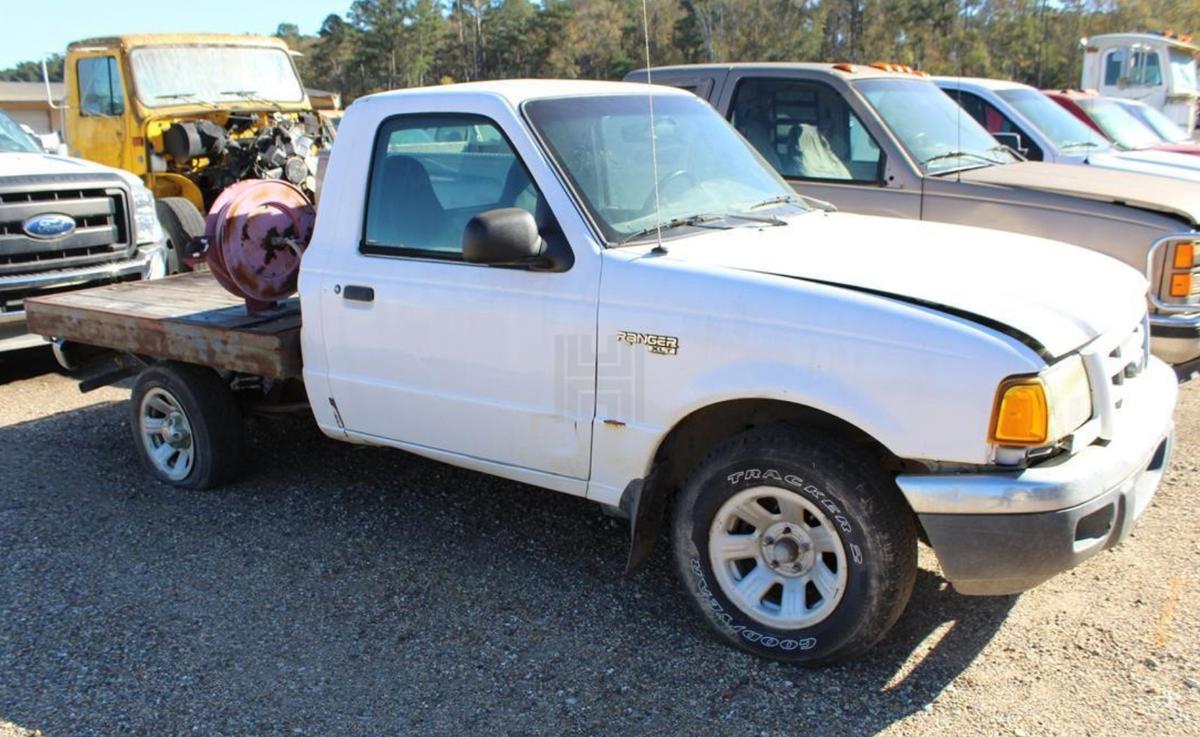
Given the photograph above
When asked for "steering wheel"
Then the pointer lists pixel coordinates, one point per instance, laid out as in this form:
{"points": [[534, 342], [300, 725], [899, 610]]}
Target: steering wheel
{"points": [[662, 185]]}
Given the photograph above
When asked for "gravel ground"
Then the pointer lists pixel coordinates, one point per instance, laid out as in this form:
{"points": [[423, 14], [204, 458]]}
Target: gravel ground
{"points": [[356, 591]]}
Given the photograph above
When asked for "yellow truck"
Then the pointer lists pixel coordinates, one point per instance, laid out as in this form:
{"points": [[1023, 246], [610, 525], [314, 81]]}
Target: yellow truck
{"points": [[191, 114]]}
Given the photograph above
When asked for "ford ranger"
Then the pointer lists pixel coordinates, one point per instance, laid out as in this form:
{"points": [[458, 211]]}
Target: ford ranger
{"points": [[600, 289]]}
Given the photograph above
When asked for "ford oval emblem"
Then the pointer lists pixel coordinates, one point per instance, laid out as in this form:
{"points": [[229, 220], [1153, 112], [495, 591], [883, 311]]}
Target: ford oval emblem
{"points": [[50, 225]]}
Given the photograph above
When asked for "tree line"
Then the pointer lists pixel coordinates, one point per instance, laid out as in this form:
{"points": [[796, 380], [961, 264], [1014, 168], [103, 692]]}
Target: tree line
{"points": [[385, 44]]}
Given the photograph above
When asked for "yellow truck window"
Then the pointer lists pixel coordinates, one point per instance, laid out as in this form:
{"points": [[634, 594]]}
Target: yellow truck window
{"points": [[100, 89]]}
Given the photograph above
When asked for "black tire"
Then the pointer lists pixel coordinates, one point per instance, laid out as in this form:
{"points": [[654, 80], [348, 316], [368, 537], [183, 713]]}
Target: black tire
{"points": [[875, 527], [213, 421], [181, 222]]}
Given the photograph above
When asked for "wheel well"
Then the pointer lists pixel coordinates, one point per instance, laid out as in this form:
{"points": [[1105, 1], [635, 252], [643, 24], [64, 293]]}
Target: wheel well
{"points": [[685, 446], [695, 435]]}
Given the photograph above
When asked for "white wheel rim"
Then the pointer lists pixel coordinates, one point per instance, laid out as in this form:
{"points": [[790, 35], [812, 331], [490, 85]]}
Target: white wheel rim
{"points": [[166, 434], [777, 557]]}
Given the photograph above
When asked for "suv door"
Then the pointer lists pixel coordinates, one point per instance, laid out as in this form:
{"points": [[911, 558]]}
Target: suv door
{"points": [[815, 138], [425, 349]]}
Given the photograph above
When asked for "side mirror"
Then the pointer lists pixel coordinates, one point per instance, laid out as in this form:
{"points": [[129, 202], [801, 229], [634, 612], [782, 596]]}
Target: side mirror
{"points": [[506, 236], [1013, 141]]}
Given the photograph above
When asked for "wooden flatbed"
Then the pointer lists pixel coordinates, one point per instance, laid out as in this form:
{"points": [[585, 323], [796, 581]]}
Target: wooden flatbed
{"points": [[188, 317]]}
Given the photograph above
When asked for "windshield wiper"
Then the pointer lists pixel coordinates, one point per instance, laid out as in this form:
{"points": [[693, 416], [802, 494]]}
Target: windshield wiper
{"points": [[959, 155], [191, 96], [695, 221], [251, 95], [780, 200], [1080, 144]]}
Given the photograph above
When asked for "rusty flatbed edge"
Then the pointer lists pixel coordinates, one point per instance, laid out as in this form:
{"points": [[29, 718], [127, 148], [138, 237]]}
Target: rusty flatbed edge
{"points": [[188, 317]]}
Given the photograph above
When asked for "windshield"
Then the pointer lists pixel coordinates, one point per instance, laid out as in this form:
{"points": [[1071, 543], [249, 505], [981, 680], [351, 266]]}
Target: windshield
{"points": [[15, 140], [932, 127], [1183, 71], [1163, 126], [603, 145], [178, 75], [1065, 130], [1119, 124]]}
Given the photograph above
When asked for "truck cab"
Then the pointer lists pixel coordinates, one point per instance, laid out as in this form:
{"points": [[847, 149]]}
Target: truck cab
{"points": [[1158, 69], [191, 114], [885, 140]]}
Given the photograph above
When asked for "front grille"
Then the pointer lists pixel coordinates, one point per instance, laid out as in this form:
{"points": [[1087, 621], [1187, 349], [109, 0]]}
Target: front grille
{"points": [[1114, 362], [102, 228]]}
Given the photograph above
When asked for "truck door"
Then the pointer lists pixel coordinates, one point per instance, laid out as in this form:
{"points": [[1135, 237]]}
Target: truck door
{"points": [[96, 118], [809, 132], [430, 352]]}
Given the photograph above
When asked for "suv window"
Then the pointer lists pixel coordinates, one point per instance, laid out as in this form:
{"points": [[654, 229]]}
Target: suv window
{"points": [[430, 174], [990, 117], [806, 130], [100, 89]]}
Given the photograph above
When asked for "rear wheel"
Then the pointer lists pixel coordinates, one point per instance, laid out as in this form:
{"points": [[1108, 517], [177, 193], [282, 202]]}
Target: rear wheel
{"points": [[181, 222], [794, 546], [187, 425]]}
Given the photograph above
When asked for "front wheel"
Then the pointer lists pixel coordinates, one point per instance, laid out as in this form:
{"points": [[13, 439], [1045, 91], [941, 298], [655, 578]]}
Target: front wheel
{"points": [[795, 547]]}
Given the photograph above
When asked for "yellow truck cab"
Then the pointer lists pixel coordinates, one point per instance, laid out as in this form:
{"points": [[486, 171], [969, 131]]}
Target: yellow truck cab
{"points": [[191, 114]]}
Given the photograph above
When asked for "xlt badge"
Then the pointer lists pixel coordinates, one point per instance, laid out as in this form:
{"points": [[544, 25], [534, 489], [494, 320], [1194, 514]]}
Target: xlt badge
{"points": [[665, 345]]}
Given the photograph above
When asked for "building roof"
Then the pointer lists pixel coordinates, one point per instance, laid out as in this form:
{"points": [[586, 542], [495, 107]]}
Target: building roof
{"points": [[30, 91]]}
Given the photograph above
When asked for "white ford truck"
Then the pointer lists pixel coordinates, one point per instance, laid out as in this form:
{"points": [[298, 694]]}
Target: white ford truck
{"points": [[67, 223], [794, 393]]}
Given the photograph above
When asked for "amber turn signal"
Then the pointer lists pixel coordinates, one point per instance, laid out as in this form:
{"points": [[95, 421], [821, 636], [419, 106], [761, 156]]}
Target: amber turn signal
{"points": [[1185, 255], [1181, 285], [1022, 415]]}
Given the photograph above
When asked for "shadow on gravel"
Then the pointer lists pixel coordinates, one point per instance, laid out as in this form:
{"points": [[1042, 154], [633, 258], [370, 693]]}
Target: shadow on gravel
{"points": [[349, 590], [26, 364]]}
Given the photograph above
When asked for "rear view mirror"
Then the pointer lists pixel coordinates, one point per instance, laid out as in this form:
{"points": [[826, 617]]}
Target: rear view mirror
{"points": [[1013, 141], [506, 236]]}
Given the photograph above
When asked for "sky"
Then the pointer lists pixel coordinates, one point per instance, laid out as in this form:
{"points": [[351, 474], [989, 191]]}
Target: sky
{"points": [[30, 29]]}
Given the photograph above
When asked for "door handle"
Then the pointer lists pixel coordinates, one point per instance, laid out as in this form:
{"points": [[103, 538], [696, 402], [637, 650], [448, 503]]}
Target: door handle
{"points": [[358, 293]]}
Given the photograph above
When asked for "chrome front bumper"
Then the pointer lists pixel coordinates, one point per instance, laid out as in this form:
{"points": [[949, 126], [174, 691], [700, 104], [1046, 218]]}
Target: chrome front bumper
{"points": [[149, 263], [1174, 337], [1005, 532]]}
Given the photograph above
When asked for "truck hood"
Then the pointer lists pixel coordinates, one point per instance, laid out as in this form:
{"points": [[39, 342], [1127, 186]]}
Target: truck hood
{"points": [[22, 164], [1154, 193], [1057, 295], [1135, 161]]}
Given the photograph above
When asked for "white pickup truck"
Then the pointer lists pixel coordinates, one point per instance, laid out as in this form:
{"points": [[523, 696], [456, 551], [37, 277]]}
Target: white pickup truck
{"points": [[793, 391]]}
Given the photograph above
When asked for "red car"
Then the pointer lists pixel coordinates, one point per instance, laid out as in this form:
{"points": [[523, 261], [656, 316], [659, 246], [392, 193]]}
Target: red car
{"points": [[1114, 120]]}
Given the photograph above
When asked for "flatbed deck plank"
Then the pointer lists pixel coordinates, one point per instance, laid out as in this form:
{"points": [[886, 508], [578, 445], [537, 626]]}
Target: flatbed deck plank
{"points": [[188, 318]]}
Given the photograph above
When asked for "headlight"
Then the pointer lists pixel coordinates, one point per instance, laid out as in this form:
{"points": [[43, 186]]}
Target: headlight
{"points": [[145, 217], [1043, 409]]}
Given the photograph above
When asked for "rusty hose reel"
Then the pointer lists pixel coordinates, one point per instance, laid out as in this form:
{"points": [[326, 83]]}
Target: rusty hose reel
{"points": [[254, 236]]}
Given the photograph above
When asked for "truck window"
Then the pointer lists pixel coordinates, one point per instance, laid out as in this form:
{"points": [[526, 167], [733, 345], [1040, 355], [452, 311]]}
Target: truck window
{"points": [[990, 117], [1114, 65], [100, 89], [1144, 69], [430, 174], [806, 130]]}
